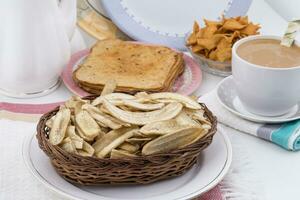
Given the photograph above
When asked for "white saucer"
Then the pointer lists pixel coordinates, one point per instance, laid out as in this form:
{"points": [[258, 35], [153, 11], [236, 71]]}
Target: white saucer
{"points": [[210, 169], [227, 96]]}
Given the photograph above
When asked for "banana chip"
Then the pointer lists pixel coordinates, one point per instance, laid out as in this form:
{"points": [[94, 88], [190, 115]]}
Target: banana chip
{"points": [[50, 121], [77, 140], [110, 97], [87, 125], [98, 116], [68, 145], [119, 154], [137, 140], [88, 148], [140, 106], [75, 103], [83, 136], [176, 140], [109, 138], [197, 115], [174, 97], [141, 118], [83, 153], [184, 120], [128, 147], [109, 87], [106, 150], [161, 127], [59, 126]]}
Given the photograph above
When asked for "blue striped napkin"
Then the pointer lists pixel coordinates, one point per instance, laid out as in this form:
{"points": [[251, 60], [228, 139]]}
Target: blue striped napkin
{"points": [[286, 135]]}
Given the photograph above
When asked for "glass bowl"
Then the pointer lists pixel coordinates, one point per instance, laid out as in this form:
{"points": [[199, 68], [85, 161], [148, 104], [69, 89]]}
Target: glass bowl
{"points": [[212, 66]]}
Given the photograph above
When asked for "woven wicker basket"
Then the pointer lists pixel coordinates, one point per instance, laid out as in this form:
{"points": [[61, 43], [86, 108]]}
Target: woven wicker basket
{"points": [[138, 170]]}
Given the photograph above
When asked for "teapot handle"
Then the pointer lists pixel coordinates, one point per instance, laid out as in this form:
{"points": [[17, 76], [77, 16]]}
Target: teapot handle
{"points": [[68, 11]]}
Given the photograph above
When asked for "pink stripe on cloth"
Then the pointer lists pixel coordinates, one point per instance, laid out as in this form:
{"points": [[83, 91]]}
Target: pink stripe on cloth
{"points": [[213, 194], [28, 108]]}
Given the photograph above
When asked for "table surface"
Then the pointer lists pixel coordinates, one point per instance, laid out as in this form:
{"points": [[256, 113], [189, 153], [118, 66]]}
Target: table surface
{"points": [[277, 169]]}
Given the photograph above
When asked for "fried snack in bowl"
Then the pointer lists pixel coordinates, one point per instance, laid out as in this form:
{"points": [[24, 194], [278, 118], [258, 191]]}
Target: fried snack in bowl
{"points": [[119, 138], [211, 45]]}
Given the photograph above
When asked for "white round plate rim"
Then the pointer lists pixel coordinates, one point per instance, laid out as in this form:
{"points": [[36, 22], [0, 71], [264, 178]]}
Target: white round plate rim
{"points": [[254, 118], [220, 175], [136, 30]]}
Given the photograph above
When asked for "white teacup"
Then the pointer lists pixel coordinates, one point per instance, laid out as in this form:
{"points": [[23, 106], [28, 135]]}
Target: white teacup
{"points": [[264, 90]]}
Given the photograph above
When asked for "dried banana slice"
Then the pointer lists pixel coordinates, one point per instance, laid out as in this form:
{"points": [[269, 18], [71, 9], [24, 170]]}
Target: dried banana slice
{"points": [[202, 132], [140, 134], [141, 106], [184, 119], [106, 150], [206, 126], [119, 154], [137, 140], [131, 148], [75, 103], [100, 135], [186, 101], [161, 127], [59, 126], [87, 124], [142, 118], [83, 153], [115, 120], [50, 121], [73, 99], [112, 96], [109, 87], [77, 141], [88, 148], [98, 116], [68, 145], [176, 140], [82, 135], [109, 138], [144, 97], [198, 115]]}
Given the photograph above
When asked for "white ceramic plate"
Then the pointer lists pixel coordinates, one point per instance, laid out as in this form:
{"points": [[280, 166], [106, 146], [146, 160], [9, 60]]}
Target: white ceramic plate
{"points": [[167, 22], [210, 169], [227, 96]]}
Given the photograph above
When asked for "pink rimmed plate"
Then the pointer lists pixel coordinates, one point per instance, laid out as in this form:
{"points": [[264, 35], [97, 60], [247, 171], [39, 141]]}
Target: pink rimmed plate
{"points": [[185, 84]]}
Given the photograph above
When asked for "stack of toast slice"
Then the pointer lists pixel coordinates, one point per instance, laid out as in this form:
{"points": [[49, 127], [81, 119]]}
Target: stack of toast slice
{"points": [[135, 67]]}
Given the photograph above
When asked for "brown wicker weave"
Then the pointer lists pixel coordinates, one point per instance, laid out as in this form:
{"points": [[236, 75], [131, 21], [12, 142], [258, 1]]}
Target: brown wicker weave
{"points": [[138, 170]]}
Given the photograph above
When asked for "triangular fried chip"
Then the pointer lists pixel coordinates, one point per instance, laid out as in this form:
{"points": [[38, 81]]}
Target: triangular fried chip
{"points": [[232, 24], [250, 29], [223, 54], [196, 27]]}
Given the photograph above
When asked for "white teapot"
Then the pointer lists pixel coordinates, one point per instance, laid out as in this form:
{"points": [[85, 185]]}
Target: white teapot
{"points": [[34, 44]]}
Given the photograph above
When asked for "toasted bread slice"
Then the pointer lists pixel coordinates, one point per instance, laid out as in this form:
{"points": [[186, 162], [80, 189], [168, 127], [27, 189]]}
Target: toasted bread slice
{"points": [[134, 66]]}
